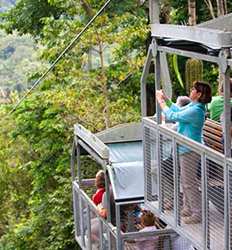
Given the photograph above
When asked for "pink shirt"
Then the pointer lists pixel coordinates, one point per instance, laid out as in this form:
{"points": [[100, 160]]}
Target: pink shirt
{"points": [[148, 243]]}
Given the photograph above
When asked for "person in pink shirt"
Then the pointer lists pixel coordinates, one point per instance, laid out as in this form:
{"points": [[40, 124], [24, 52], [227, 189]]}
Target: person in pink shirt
{"points": [[100, 185], [148, 224]]}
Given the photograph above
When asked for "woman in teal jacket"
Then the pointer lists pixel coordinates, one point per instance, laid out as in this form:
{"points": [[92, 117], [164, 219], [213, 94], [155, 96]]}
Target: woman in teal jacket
{"points": [[190, 119]]}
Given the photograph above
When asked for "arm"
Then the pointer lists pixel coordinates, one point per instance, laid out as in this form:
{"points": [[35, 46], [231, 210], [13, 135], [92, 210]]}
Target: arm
{"points": [[188, 115], [162, 99], [165, 102]]}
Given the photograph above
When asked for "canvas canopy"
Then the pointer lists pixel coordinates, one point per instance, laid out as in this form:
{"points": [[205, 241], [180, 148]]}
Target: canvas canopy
{"points": [[126, 170]]}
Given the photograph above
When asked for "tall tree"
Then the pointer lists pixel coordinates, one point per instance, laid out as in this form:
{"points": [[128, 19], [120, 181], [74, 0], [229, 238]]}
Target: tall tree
{"points": [[192, 12], [103, 95], [221, 7]]}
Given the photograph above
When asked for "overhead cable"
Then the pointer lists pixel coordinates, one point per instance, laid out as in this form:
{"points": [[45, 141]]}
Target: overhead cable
{"points": [[70, 46]]}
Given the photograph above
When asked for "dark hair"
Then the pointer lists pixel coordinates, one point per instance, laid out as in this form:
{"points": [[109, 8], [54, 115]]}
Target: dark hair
{"points": [[205, 91]]}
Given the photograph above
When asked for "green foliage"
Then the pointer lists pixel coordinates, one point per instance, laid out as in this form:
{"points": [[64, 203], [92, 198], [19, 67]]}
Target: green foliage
{"points": [[96, 84], [211, 74], [27, 16], [48, 199], [13, 175], [18, 60], [80, 90]]}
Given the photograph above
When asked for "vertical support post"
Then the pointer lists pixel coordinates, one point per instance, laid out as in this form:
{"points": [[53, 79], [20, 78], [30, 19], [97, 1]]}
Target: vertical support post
{"points": [[227, 112], [76, 211], [145, 148], [229, 171], [82, 227], [205, 203], [230, 201], [225, 77], [157, 81], [146, 162], [118, 224], [89, 243], [101, 234], [73, 155], [159, 181], [226, 206], [143, 81], [78, 163], [108, 198], [143, 98], [108, 194], [176, 176], [158, 114]]}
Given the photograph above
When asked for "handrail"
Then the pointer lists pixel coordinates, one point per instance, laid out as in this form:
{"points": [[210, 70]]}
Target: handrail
{"points": [[186, 141]]}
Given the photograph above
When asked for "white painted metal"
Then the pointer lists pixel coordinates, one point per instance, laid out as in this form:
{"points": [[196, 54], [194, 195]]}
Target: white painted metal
{"points": [[210, 37], [89, 138], [121, 133]]}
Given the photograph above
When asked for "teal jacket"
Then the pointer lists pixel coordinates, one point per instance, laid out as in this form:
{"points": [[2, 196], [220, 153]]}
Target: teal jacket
{"points": [[190, 119]]}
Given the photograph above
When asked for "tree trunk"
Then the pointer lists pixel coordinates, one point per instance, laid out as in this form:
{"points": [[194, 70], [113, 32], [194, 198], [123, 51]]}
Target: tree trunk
{"points": [[210, 7], [106, 111], [221, 7], [192, 12], [87, 7]]}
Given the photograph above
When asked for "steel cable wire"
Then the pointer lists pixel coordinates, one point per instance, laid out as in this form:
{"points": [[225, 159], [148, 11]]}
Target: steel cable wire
{"points": [[70, 46]]}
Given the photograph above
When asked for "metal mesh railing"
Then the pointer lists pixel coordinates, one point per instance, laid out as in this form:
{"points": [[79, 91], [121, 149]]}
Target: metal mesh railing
{"points": [[166, 174], [158, 240], [215, 204], [189, 212], [91, 231], [150, 163], [190, 187]]}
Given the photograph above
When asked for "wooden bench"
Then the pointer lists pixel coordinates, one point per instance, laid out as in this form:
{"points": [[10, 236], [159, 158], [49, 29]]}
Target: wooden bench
{"points": [[212, 134]]}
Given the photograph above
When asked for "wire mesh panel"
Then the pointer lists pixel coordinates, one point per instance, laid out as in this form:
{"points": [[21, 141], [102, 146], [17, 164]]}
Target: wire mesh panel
{"points": [[92, 231], [101, 236], [190, 207], [150, 163], [167, 174], [149, 242], [215, 187], [193, 177], [158, 241], [84, 222]]}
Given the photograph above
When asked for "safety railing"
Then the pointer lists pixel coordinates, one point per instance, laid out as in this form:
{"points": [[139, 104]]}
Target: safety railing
{"points": [[118, 231], [180, 173], [91, 230], [105, 235], [161, 239], [94, 232]]}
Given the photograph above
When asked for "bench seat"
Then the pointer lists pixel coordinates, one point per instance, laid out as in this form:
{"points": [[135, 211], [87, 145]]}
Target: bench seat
{"points": [[212, 134]]}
